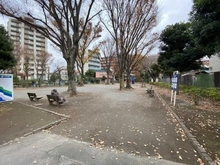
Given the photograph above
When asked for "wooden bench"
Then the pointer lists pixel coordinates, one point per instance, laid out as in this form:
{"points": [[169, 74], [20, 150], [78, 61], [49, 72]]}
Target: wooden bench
{"points": [[150, 91], [54, 98], [34, 97]]}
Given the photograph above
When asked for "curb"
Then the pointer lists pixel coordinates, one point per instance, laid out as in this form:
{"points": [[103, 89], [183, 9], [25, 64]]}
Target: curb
{"points": [[201, 151], [64, 117], [33, 132], [44, 127], [46, 110]]}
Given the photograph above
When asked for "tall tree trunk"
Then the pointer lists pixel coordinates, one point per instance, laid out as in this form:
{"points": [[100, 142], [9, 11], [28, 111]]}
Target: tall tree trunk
{"points": [[27, 81], [39, 82], [128, 84], [113, 78], [71, 78], [82, 75], [59, 81], [81, 79], [121, 80], [108, 77]]}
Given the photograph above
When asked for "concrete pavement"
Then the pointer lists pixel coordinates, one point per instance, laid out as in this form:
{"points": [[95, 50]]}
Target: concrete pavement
{"points": [[49, 149]]}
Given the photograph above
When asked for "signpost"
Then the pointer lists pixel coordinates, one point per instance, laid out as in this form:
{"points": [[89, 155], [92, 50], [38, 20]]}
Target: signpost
{"points": [[174, 86], [6, 87]]}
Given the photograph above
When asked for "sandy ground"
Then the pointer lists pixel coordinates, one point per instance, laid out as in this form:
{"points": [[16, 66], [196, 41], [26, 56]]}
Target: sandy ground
{"points": [[129, 121]]}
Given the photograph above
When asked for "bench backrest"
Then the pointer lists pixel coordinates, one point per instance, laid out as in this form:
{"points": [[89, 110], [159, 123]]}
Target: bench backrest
{"points": [[32, 95], [54, 97]]}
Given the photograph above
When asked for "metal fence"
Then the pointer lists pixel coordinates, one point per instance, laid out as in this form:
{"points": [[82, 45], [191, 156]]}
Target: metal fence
{"points": [[202, 80], [217, 79]]}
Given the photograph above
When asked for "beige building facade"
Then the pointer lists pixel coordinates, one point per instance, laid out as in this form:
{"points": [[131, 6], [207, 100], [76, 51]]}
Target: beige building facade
{"points": [[214, 63], [29, 39]]}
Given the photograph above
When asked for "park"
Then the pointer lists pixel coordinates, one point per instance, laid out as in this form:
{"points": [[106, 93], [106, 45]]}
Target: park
{"points": [[120, 127], [109, 82]]}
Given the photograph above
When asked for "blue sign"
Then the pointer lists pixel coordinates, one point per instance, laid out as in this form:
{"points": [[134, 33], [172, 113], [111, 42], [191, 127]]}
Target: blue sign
{"points": [[6, 87], [174, 81]]}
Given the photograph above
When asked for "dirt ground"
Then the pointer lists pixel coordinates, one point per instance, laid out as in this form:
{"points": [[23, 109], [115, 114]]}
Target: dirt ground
{"points": [[203, 120], [17, 119], [129, 121]]}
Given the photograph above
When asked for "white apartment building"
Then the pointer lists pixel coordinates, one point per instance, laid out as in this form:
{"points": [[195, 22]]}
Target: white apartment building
{"points": [[93, 63], [30, 39]]}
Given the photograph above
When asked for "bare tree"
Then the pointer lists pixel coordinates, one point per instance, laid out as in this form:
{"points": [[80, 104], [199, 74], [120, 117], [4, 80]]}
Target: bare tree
{"points": [[59, 21], [91, 34], [58, 68], [151, 67], [42, 59], [17, 51], [109, 55], [27, 57], [58, 74], [24, 57], [131, 24]]}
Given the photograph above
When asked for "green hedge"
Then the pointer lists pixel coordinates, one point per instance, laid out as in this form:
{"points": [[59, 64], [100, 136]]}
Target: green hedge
{"points": [[212, 93], [161, 84]]}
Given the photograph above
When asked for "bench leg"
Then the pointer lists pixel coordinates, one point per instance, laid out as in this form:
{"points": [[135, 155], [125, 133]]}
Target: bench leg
{"points": [[50, 102], [59, 103], [31, 98]]}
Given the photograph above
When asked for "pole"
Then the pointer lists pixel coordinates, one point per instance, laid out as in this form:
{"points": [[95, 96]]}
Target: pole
{"points": [[171, 97], [174, 103]]}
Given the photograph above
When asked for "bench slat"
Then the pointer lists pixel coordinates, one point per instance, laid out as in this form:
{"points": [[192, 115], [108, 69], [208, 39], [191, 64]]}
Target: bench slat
{"points": [[34, 97], [53, 98]]}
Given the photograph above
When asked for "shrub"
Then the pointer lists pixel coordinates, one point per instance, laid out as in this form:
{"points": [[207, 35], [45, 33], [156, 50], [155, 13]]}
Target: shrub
{"points": [[161, 84], [212, 93]]}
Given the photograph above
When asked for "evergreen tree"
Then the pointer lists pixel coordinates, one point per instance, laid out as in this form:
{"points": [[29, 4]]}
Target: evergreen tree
{"points": [[178, 51], [206, 24], [7, 59]]}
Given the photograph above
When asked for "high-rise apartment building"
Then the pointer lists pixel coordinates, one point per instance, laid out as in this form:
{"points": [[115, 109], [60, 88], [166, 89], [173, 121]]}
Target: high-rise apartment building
{"points": [[32, 42], [93, 63]]}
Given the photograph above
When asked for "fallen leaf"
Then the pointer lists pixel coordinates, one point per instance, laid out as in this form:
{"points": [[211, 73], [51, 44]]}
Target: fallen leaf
{"points": [[121, 143], [159, 156], [201, 162]]}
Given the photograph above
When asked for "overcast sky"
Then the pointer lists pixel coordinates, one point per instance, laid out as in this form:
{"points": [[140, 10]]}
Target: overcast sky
{"points": [[170, 12]]}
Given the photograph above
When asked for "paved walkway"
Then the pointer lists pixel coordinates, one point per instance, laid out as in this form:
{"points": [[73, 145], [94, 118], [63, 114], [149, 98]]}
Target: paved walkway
{"points": [[50, 149], [107, 126]]}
